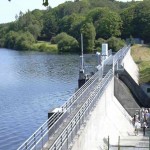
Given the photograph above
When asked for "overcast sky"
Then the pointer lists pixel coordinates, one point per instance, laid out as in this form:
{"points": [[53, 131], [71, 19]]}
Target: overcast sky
{"points": [[8, 10]]}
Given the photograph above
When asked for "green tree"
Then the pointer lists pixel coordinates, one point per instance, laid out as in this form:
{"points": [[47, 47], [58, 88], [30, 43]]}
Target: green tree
{"points": [[19, 40], [127, 16], [10, 40], [50, 26], [59, 37], [88, 31], [68, 8], [31, 22], [107, 23], [103, 3], [3, 32], [141, 21], [67, 43], [115, 43], [72, 24], [24, 41]]}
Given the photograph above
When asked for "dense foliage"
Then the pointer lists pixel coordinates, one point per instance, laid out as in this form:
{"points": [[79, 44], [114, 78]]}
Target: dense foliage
{"points": [[98, 20], [141, 55], [66, 43]]}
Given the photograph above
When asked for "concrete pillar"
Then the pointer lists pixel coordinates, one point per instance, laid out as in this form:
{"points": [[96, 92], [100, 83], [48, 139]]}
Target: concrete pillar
{"points": [[56, 110]]}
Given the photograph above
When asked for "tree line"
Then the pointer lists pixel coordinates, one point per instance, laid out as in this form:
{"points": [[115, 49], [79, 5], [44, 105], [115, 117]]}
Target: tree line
{"points": [[99, 21]]}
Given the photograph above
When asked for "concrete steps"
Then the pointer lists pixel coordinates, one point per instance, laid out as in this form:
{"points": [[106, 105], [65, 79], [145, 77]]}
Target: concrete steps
{"points": [[133, 142]]}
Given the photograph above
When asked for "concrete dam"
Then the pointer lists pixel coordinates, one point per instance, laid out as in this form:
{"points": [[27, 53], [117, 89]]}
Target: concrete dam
{"points": [[98, 116]]}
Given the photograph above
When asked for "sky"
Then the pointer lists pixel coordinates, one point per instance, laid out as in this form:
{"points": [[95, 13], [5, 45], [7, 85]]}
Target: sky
{"points": [[8, 10]]}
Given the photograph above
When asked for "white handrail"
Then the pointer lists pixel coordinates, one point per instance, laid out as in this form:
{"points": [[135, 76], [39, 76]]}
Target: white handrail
{"points": [[57, 118]]}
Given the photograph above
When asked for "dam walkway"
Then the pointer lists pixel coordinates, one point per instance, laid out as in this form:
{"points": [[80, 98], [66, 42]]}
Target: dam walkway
{"points": [[65, 124]]}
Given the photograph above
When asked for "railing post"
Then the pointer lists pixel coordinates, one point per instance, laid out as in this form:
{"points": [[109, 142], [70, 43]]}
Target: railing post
{"points": [[149, 142], [118, 142], [35, 141], [42, 136], [108, 142], [83, 114], [61, 142], [55, 147], [79, 119], [71, 132], [67, 138], [26, 145]]}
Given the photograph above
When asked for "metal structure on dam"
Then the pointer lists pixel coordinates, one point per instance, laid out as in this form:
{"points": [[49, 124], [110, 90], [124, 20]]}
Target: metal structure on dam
{"points": [[60, 129]]}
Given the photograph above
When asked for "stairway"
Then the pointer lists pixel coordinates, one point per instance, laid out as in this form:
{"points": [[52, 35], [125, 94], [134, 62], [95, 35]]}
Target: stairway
{"points": [[133, 142]]}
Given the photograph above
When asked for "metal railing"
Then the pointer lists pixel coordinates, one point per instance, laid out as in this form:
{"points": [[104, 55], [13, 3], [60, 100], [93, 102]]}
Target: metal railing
{"points": [[87, 95], [72, 128], [121, 54], [39, 137]]}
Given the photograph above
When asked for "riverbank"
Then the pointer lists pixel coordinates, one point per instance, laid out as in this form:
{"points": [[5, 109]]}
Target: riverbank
{"points": [[43, 46], [141, 55]]}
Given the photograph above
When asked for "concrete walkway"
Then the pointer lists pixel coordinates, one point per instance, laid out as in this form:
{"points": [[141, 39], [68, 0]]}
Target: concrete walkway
{"points": [[133, 142]]}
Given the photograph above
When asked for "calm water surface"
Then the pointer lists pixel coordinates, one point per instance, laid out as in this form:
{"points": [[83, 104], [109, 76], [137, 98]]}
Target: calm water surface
{"points": [[32, 83]]}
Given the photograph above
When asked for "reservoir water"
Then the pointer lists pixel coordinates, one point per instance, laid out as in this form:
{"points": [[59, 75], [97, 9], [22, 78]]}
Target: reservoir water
{"points": [[32, 83]]}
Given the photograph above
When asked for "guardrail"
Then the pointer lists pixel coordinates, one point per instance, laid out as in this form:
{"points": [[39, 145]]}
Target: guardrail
{"points": [[39, 137], [88, 94], [72, 128], [121, 54]]}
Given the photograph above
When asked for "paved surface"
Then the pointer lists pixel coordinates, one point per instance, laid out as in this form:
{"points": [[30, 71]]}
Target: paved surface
{"points": [[66, 121], [133, 142]]}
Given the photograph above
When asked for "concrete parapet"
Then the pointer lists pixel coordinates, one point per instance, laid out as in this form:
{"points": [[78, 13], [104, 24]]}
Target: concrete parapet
{"points": [[109, 118], [131, 67]]}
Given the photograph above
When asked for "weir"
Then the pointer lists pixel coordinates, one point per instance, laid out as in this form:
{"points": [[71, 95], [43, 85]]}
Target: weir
{"points": [[80, 123]]}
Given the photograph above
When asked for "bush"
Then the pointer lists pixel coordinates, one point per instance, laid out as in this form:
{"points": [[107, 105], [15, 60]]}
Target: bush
{"points": [[19, 40], [58, 38], [45, 47], [115, 43], [66, 43]]}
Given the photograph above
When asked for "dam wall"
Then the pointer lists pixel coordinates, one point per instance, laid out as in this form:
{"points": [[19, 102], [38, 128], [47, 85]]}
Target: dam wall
{"points": [[108, 118], [125, 97], [130, 77], [131, 67]]}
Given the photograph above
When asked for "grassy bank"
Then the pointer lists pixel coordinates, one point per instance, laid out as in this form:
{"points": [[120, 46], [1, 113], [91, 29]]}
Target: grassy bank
{"points": [[141, 55], [43, 46]]}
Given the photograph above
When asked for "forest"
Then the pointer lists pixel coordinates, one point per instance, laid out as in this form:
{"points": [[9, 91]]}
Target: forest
{"points": [[59, 29]]}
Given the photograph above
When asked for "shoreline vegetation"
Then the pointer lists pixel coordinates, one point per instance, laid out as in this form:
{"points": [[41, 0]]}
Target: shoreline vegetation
{"points": [[58, 30], [43, 46], [61, 27], [141, 56]]}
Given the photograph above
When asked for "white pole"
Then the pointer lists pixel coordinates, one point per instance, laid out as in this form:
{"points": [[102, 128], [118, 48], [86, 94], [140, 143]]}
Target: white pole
{"points": [[82, 52]]}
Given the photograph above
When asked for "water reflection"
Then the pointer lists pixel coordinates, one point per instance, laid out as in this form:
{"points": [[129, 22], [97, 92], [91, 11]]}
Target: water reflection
{"points": [[31, 84]]}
